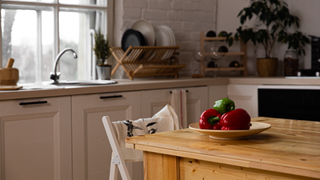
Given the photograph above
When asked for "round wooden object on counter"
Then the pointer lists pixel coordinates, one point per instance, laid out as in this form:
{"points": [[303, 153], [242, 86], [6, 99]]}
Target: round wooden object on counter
{"points": [[9, 76]]}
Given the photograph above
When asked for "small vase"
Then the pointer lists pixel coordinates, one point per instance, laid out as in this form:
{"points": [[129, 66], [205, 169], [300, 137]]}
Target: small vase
{"points": [[104, 72]]}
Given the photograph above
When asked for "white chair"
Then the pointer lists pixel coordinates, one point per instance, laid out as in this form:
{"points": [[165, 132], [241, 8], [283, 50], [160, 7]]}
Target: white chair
{"points": [[117, 157], [166, 120]]}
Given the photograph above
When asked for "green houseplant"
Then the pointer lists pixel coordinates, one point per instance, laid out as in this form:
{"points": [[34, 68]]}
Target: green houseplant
{"points": [[276, 25], [101, 48], [102, 52]]}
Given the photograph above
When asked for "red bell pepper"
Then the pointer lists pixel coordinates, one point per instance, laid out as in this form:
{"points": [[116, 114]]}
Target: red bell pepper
{"points": [[238, 119], [216, 126], [209, 119]]}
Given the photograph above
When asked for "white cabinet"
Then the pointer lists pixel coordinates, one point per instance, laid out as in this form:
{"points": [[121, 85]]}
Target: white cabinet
{"points": [[63, 138], [91, 149], [245, 97], [154, 100], [35, 139], [215, 93]]}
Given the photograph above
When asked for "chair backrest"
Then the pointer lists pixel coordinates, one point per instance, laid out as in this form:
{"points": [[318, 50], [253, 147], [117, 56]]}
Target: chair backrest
{"points": [[117, 159], [165, 120], [117, 132]]}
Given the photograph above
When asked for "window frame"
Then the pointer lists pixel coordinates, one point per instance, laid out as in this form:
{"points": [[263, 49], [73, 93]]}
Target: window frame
{"points": [[107, 7]]}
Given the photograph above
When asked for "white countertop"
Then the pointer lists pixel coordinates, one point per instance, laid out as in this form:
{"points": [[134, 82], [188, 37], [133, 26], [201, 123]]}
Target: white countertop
{"points": [[149, 84]]}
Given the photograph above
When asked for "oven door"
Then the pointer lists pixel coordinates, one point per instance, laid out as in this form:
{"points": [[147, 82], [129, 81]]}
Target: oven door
{"points": [[292, 102]]}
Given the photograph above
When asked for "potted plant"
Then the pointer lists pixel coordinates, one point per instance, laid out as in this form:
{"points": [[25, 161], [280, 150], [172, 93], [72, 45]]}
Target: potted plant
{"points": [[102, 52], [275, 23]]}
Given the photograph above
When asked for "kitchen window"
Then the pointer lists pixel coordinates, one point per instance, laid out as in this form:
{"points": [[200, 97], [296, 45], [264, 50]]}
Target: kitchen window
{"points": [[33, 33]]}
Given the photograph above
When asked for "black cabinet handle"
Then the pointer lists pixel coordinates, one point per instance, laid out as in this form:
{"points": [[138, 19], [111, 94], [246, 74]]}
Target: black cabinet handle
{"points": [[171, 91], [31, 103], [108, 97]]}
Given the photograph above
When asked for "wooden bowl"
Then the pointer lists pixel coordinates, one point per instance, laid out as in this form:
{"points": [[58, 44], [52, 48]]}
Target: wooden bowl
{"points": [[9, 76]]}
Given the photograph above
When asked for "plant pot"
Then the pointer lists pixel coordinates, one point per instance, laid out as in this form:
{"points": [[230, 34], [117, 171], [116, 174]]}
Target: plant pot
{"points": [[267, 66], [104, 72]]}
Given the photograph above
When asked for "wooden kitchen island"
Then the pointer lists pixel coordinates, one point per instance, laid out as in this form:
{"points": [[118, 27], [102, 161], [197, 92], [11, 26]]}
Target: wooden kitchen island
{"points": [[289, 150]]}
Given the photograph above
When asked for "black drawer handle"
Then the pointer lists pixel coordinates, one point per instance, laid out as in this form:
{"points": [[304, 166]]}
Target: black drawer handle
{"points": [[171, 91], [31, 103], [108, 97]]}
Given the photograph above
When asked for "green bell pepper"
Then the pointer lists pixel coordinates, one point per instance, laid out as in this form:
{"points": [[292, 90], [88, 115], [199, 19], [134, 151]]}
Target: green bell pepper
{"points": [[224, 105]]}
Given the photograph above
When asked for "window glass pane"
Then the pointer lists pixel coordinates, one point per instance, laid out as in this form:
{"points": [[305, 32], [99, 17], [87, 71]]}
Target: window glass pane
{"points": [[85, 2], [28, 36], [22, 41], [47, 45], [76, 30], [19, 40], [69, 38]]}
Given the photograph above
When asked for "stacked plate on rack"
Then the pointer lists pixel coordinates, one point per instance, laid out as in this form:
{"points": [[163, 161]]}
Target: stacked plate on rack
{"points": [[164, 36], [142, 33]]}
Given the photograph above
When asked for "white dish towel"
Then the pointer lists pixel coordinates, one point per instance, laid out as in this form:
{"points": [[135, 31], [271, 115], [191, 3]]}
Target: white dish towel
{"points": [[169, 112], [128, 128], [179, 104]]}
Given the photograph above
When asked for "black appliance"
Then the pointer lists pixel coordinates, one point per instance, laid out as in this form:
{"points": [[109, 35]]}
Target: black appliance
{"points": [[300, 104], [315, 52], [315, 59]]}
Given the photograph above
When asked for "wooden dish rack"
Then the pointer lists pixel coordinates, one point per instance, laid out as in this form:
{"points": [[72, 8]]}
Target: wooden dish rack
{"points": [[146, 61]]}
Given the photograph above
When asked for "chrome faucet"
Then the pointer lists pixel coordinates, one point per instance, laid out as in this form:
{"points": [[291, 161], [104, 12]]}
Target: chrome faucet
{"points": [[55, 76]]}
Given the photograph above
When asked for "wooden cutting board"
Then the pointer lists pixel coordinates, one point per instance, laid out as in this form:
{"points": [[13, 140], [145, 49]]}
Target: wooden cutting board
{"points": [[10, 87]]}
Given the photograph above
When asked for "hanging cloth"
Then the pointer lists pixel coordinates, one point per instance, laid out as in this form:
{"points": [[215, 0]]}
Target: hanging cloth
{"points": [[179, 104]]}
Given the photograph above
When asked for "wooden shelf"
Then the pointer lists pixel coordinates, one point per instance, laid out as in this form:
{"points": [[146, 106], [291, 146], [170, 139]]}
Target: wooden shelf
{"points": [[242, 53], [214, 38], [227, 54], [225, 69]]}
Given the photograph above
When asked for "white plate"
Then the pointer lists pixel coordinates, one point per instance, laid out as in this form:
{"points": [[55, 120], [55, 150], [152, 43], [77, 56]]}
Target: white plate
{"points": [[256, 128], [146, 30], [166, 40], [162, 36], [173, 39], [162, 39], [167, 54]]}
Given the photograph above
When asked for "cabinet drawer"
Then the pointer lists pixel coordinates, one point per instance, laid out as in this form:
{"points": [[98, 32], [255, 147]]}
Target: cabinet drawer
{"points": [[30, 106]]}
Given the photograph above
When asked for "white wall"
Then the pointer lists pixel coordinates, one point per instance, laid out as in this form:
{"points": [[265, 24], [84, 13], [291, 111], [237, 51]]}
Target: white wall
{"points": [[307, 10], [185, 17], [188, 17]]}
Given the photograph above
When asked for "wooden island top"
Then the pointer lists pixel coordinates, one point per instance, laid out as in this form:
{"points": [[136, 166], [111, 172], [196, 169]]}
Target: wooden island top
{"points": [[290, 149]]}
